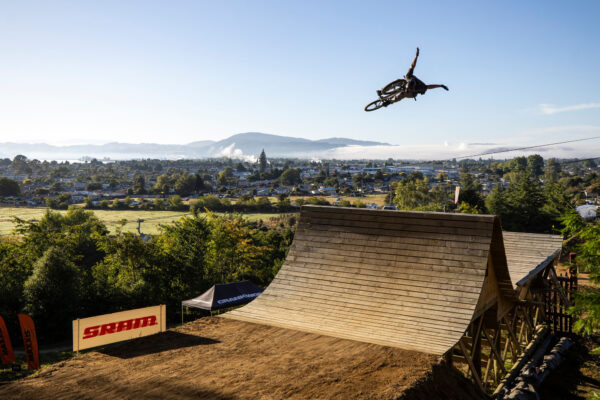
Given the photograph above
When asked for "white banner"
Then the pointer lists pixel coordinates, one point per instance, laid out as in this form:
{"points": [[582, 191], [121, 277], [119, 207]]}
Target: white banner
{"points": [[456, 194], [119, 326]]}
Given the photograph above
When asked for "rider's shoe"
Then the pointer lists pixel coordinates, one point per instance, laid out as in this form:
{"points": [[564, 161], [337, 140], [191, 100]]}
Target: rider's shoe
{"points": [[379, 93]]}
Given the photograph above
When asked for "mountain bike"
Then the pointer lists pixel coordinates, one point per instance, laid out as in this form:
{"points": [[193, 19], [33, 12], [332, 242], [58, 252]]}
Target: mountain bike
{"points": [[391, 93]]}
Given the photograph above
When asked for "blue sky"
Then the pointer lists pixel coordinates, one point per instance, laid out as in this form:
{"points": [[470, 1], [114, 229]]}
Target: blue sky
{"points": [[519, 73]]}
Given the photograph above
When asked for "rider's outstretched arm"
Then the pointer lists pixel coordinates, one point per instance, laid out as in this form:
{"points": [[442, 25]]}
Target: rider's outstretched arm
{"points": [[413, 65], [437, 86]]}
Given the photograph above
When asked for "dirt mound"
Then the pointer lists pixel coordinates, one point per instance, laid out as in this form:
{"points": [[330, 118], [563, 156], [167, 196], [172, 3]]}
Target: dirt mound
{"points": [[214, 358]]}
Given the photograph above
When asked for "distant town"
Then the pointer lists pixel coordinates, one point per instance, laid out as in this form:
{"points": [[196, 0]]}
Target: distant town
{"points": [[174, 184]]}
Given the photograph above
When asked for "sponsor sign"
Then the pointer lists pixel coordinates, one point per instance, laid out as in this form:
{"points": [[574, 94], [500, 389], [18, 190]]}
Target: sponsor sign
{"points": [[30, 341], [6, 351], [116, 327], [237, 298]]}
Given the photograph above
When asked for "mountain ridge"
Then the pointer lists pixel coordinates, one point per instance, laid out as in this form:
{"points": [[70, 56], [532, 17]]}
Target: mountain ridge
{"points": [[241, 145]]}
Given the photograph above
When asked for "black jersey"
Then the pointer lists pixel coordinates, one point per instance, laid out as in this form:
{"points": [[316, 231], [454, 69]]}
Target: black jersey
{"points": [[414, 86]]}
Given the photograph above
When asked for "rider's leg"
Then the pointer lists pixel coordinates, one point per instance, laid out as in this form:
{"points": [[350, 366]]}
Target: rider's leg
{"points": [[436, 86], [413, 65]]}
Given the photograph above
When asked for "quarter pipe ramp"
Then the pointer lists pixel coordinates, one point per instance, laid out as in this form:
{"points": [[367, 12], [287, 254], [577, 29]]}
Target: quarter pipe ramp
{"points": [[411, 280]]}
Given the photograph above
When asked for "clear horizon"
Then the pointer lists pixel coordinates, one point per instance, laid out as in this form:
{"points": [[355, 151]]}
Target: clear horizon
{"points": [[147, 72]]}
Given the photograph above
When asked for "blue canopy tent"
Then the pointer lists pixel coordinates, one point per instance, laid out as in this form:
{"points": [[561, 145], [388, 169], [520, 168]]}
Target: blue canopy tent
{"points": [[224, 295]]}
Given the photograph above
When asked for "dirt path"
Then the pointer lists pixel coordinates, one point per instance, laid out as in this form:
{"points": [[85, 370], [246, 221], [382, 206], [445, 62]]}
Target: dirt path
{"points": [[214, 358]]}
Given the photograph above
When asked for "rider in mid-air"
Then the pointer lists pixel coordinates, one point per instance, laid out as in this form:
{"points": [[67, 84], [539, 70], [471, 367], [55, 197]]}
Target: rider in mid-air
{"points": [[413, 85]]}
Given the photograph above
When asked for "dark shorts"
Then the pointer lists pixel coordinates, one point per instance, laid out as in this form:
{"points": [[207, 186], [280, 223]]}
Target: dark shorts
{"points": [[415, 85]]}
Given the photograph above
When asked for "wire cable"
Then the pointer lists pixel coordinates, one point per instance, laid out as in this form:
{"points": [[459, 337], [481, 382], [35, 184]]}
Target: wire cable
{"points": [[528, 147]]}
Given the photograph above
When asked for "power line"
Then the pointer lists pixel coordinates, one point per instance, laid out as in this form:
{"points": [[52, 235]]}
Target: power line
{"points": [[528, 147]]}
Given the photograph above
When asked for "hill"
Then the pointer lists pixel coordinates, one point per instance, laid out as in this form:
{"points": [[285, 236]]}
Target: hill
{"points": [[241, 145]]}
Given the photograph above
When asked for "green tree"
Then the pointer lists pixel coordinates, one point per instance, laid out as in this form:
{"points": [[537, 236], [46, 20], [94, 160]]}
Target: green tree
{"points": [[556, 202], [587, 299], [158, 204], [175, 203], [496, 202], [518, 164], [284, 203], [139, 184], [535, 165], [52, 293], [412, 194], [552, 171], [240, 167], [589, 164], [290, 177], [9, 187], [232, 252], [470, 191], [163, 184], [88, 202], [93, 186], [125, 277], [15, 268], [415, 176], [357, 180], [185, 184], [331, 181], [182, 246], [225, 176], [520, 207], [20, 165], [467, 208], [212, 203], [262, 161]]}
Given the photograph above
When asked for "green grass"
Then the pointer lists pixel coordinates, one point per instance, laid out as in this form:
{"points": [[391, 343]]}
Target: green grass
{"points": [[152, 219]]}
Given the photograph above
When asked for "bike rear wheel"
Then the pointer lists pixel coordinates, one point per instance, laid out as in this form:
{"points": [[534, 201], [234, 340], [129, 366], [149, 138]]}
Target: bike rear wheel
{"points": [[375, 105], [393, 87]]}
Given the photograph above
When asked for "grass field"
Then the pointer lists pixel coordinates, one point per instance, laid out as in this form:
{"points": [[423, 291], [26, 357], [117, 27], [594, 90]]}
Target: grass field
{"points": [[152, 219]]}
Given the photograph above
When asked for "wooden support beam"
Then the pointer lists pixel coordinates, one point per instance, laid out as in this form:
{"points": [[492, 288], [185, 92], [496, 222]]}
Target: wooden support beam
{"points": [[493, 345], [488, 368], [513, 339], [476, 348], [476, 375], [510, 326], [522, 332], [527, 323], [536, 316], [559, 287]]}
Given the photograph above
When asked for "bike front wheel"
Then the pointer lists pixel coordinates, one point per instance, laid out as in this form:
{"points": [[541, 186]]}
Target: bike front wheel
{"points": [[375, 105], [393, 87]]}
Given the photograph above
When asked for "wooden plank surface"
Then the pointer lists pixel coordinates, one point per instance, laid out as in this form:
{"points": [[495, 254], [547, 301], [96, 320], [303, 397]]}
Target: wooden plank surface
{"points": [[402, 279], [525, 251]]}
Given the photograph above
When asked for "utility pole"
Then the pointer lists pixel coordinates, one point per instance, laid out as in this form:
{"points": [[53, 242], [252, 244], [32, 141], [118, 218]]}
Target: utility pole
{"points": [[139, 228]]}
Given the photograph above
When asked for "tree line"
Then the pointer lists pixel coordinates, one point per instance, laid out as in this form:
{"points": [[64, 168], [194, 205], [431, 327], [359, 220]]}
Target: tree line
{"points": [[68, 266], [533, 199]]}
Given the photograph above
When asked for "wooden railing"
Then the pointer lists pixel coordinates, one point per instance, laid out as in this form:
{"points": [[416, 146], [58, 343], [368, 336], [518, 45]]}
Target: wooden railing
{"points": [[557, 318]]}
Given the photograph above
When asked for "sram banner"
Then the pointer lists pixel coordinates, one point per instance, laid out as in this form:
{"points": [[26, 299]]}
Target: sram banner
{"points": [[116, 327]]}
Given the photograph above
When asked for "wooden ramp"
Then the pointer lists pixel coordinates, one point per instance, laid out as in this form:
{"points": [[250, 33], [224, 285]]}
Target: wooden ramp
{"points": [[405, 279], [529, 253]]}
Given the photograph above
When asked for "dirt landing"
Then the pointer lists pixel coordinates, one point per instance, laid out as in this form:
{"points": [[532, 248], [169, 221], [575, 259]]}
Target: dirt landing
{"points": [[214, 358]]}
